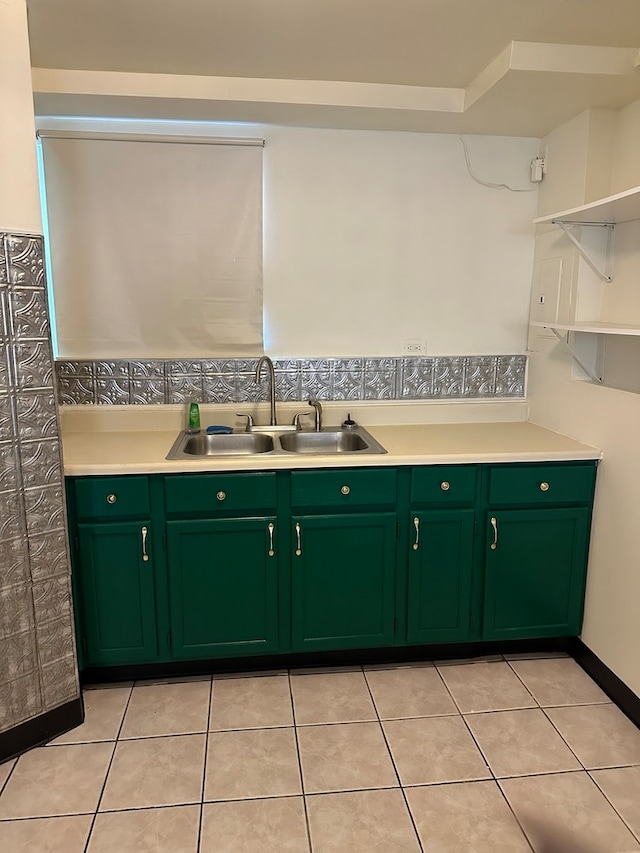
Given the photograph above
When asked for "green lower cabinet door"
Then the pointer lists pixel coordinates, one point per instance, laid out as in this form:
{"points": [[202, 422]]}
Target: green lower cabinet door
{"points": [[117, 593], [223, 587], [440, 567], [343, 571], [535, 572]]}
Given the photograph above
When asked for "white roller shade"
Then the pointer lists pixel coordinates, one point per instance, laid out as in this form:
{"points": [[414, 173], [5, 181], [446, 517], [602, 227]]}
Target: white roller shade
{"points": [[156, 247]]}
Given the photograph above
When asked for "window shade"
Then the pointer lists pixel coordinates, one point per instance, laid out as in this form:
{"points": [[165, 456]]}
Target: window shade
{"points": [[156, 247]]}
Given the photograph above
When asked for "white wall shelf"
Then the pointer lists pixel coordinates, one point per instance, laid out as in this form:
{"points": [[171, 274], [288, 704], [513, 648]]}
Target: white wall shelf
{"points": [[593, 327], [622, 207]]}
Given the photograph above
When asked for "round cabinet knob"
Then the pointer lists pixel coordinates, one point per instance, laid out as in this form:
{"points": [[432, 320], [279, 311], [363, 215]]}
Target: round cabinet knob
{"points": [[111, 499], [544, 487], [445, 486], [221, 495], [345, 490]]}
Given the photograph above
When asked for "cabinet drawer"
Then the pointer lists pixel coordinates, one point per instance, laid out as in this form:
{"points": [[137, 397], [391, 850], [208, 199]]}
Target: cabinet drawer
{"points": [[346, 487], [220, 492], [541, 484], [112, 497], [444, 484]]}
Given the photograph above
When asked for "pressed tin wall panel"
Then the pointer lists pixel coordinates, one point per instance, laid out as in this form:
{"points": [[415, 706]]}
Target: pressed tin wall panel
{"points": [[37, 655], [233, 380]]}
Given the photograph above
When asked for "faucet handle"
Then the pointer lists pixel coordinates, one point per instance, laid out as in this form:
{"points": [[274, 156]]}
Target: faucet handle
{"points": [[250, 421], [297, 416]]}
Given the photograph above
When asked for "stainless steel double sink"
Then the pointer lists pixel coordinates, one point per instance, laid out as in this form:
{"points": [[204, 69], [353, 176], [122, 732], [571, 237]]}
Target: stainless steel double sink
{"points": [[275, 441]]}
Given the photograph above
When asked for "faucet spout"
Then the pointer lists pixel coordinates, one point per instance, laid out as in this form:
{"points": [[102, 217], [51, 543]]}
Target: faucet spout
{"points": [[271, 374], [318, 413]]}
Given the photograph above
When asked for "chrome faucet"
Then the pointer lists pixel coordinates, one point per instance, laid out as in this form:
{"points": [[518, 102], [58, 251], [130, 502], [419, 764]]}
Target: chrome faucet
{"points": [[318, 413], [264, 359]]}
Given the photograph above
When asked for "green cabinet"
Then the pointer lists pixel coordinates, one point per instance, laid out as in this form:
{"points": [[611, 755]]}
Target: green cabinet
{"points": [[343, 534], [343, 576], [114, 571], [222, 564], [183, 567], [440, 576], [535, 573], [223, 587], [536, 534]]}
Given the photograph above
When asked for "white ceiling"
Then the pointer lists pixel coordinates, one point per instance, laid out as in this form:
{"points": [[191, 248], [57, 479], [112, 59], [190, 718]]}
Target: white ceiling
{"points": [[434, 65]]}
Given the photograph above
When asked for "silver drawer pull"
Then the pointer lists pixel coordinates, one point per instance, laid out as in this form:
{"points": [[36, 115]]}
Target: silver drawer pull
{"points": [[494, 524], [221, 495], [416, 524], [111, 499], [298, 540], [271, 552], [345, 490], [445, 486], [145, 556], [544, 487]]}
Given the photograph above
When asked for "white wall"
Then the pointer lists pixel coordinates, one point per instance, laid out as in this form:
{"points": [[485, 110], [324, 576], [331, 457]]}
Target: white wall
{"points": [[19, 199], [600, 416], [375, 237]]}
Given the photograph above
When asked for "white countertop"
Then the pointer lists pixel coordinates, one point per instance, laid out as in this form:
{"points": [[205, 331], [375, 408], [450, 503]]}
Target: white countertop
{"points": [[142, 451]]}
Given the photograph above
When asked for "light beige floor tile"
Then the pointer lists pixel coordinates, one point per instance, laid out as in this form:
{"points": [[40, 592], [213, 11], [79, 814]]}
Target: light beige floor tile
{"points": [[621, 786], [167, 709], [61, 781], [566, 811], [340, 697], [147, 831], [252, 763], [246, 703], [600, 735], [5, 770], [162, 771], [45, 834], [466, 816], [345, 757], [104, 710], [518, 743], [173, 679], [434, 749], [558, 681], [487, 686], [361, 822], [409, 692], [255, 826]]}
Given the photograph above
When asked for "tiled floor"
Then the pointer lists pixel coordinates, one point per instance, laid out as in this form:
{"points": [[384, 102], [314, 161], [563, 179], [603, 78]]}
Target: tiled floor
{"points": [[482, 757]]}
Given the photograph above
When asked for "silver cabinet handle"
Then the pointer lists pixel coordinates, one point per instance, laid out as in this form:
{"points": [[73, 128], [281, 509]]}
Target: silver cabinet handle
{"points": [[221, 495], [494, 524], [298, 540], [145, 556], [416, 524], [445, 486], [345, 490], [111, 499], [271, 552], [544, 487]]}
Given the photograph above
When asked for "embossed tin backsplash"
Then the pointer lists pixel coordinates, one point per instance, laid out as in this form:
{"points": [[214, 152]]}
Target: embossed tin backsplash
{"points": [[233, 380], [37, 652]]}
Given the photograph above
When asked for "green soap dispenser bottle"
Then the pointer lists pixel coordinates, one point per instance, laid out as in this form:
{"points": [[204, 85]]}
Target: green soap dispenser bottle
{"points": [[194, 417]]}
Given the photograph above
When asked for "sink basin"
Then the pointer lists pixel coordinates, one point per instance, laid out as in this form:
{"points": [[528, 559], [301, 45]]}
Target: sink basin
{"points": [[331, 441], [234, 444]]}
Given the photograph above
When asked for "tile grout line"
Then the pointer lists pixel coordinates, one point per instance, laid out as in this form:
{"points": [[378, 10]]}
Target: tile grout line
{"points": [[393, 764], [104, 784], [204, 767], [295, 734], [635, 834]]}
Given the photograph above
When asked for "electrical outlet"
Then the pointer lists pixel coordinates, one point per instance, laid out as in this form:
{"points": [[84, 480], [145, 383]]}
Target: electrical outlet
{"points": [[414, 346]]}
